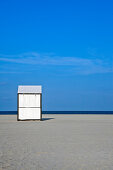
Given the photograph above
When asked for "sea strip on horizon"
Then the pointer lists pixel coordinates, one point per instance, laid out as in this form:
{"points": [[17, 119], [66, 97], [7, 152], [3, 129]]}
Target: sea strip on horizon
{"points": [[60, 112]]}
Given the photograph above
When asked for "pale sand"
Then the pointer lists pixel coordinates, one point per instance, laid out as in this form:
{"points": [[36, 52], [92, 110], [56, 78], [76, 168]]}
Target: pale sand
{"points": [[64, 142]]}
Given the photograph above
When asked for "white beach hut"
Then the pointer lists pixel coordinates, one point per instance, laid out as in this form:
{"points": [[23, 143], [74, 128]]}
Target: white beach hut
{"points": [[29, 103]]}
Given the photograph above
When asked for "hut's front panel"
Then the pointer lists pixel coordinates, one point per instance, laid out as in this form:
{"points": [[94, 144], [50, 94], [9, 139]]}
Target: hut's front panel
{"points": [[29, 113], [29, 100], [29, 106]]}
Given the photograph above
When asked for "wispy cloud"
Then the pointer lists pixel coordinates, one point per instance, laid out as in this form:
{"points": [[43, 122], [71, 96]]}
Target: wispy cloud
{"points": [[79, 65], [43, 59]]}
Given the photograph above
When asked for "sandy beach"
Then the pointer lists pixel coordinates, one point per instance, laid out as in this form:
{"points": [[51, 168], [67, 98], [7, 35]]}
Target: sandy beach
{"points": [[59, 142]]}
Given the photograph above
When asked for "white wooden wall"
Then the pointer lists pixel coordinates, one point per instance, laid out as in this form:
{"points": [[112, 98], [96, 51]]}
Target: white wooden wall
{"points": [[29, 106], [29, 100], [29, 113]]}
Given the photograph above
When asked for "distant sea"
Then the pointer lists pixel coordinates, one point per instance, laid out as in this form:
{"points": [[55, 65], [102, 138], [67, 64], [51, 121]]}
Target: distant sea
{"points": [[60, 112]]}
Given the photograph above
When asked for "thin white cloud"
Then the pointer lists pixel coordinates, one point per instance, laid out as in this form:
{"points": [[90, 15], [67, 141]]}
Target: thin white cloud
{"points": [[79, 65], [35, 58]]}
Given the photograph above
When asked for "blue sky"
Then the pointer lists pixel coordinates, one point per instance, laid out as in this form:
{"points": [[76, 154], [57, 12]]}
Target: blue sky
{"points": [[65, 46]]}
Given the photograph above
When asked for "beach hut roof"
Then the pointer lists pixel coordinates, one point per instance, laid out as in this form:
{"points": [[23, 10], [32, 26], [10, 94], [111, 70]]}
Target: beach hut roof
{"points": [[29, 89]]}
